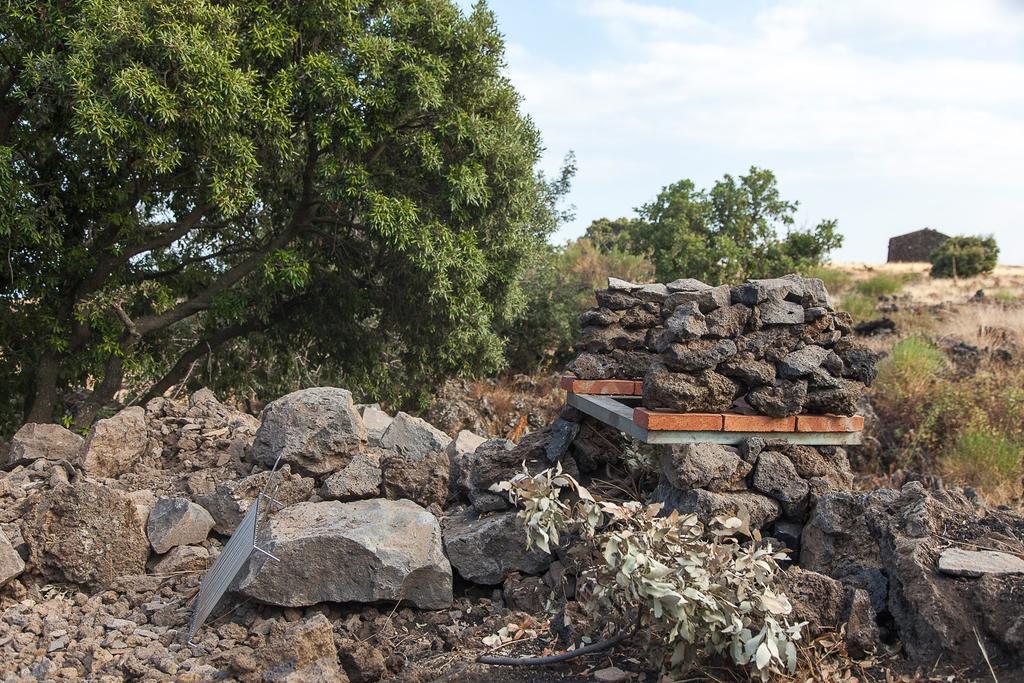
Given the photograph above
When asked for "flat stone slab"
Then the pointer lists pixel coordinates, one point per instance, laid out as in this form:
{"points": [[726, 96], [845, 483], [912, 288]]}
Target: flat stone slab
{"points": [[974, 563]]}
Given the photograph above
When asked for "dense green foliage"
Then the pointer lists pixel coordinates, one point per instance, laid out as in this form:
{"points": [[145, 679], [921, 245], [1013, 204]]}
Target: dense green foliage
{"points": [[559, 286], [964, 257], [724, 234], [343, 185]]}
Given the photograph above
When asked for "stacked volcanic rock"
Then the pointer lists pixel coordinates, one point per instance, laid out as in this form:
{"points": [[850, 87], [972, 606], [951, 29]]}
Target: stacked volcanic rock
{"points": [[774, 484], [774, 347]]}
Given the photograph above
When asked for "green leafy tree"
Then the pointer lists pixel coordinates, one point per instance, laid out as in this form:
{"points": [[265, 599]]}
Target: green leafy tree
{"points": [[964, 257], [349, 178], [724, 234]]}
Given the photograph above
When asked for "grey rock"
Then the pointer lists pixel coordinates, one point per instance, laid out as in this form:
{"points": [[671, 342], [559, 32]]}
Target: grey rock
{"points": [[788, 533], [808, 292], [777, 311], [974, 563], [688, 284], [11, 564], [115, 444], [707, 300], [360, 478], [423, 481], [775, 476], [633, 364], [600, 317], [85, 533], [728, 321], [841, 400], [859, 362], [639, 317], [655, 292], [376, 422], [705, 391], [698, 354], [802, 362], [745, 368], [785, 398], [816, 598], [760, 510], [460, 453], [704, 466], [363, 551], [561, 435], [599, 339], [230, 500], [314, 430], [615, 283], [413, 437], [593, 366], [40, 440], [183, 558], [177, 521], [492, 461], [686, 322], [487, 549], [861, 622], [615, 300]]}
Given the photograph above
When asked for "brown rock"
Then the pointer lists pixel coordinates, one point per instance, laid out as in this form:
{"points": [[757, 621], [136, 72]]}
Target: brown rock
{"points": [[85, 533], [33, 441], [115, 444], [423, 481]]}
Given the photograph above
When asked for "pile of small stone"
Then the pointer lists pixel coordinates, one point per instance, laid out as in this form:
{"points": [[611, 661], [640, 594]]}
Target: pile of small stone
{"points": [[773, 347], [773, 484]]}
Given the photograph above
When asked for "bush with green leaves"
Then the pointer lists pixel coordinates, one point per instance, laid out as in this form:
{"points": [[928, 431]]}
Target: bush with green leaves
{"points": [[701, 590], [354, 180], [964, 257], [740, 228]]}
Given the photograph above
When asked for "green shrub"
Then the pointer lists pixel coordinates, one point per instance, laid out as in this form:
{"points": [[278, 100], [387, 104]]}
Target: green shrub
{"points": [[858, 305], [964, 257], [983, 455], [883, 284], [913, 361]]}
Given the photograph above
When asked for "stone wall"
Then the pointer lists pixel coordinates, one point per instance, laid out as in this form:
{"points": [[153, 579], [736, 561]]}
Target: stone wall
{"points": [[773, 347]]}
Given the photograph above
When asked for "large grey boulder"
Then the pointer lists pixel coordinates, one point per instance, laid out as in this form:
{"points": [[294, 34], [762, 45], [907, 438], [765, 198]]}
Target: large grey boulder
{"points": [[11, 564], [898, 536], [363, 551], [39, 440], [177, 521], [85, 533], [316, 431], [414, 437], [115, 444], [424, 481], [230, 500], [486, 549], [704, 466]]}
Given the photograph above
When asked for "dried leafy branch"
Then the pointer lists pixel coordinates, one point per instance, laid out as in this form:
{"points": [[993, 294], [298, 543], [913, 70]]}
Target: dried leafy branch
{"points": [[701, 590]]}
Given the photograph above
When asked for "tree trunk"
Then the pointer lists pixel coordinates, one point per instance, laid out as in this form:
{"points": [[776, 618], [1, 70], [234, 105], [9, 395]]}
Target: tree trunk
{"points": [[44, 396], [102, 395]]}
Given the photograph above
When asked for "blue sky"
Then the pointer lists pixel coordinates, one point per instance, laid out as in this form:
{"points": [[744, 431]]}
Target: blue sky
{"points": [[888, 115]]}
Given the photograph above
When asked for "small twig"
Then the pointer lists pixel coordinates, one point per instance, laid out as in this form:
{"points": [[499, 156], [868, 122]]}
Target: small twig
{"points": [[985, 655], [560, 657]]}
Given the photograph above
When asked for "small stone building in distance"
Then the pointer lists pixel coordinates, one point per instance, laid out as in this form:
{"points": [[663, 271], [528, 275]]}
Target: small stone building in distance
{"points": [[915, 246]]}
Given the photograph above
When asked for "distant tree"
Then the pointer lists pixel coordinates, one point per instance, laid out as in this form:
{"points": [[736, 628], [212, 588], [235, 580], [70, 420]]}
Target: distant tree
{"points": [[964, 257], [728, 233], [354, 180]]}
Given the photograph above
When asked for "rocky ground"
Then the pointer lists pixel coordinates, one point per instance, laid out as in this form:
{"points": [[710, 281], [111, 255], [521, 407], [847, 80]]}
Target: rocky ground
{"points": [[105, 541], [397, 560]]}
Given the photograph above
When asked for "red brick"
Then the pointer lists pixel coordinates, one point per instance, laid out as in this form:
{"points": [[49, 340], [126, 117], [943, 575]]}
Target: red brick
{"points": [[758, 423], [616, 387], [566, 382], [657, 420], [638, 390], [829, 423]]}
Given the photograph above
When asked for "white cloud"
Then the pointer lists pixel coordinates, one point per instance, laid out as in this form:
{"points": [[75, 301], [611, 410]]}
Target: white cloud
{"points": [[802, 80]]}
